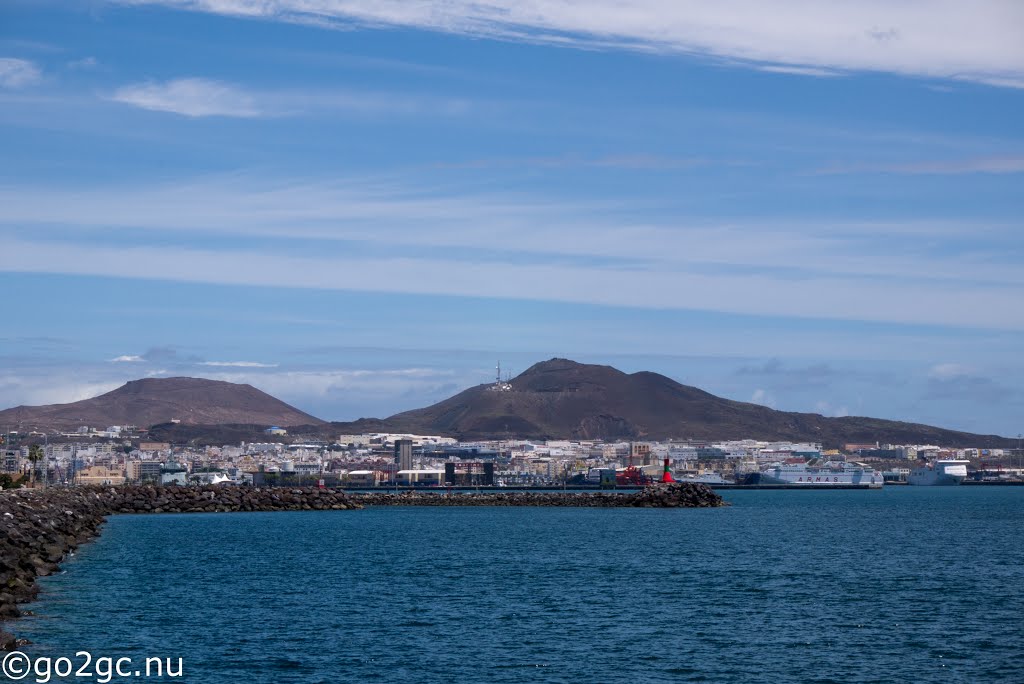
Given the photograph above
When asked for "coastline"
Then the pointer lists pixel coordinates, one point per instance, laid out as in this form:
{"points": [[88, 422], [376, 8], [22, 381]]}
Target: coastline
{"points": [[40, 527]]}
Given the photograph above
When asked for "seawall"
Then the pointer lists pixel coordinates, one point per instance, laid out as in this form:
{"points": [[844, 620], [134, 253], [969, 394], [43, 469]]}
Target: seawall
{"points": [[40, 527], [677, 495]]}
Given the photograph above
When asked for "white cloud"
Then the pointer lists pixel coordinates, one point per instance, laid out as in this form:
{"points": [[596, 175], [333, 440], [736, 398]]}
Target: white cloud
{"points": [[396, 215], [517, 246], [127, 358], [992, 165], [798, 70], [34, 389], [825, 408], [948, 371], [826, 296], [977, 41], [998, 82], [634, 161], [239, 364], [958, 166], [350, 393], [326, 382], [763, 398], [202, 97], [335, 393], [193, 97], [17, 73], [289, 103]]}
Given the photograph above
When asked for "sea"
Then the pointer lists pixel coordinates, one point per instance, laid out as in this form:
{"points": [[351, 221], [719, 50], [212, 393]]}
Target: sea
{"points": [[905, 584]]}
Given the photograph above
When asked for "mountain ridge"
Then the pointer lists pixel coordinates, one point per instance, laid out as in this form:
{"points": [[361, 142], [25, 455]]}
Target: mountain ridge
{"points": [[553, 399], [560, 399], [150, 401]]}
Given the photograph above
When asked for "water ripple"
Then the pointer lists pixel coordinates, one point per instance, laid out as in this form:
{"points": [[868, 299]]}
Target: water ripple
{"points": [[910, 584]]}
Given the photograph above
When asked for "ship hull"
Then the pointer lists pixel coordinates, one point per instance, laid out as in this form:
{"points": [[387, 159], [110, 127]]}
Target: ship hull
{"points": [[817, 478], [940, 474], [932, 480]]}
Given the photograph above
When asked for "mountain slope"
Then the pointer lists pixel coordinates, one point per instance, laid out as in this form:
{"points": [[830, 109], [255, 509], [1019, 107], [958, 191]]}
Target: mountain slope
{"points": [[194, 401], [564, 399]]}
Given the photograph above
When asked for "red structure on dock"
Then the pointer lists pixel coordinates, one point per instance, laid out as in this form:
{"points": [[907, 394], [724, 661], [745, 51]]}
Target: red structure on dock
{"points": [[667, 475]]}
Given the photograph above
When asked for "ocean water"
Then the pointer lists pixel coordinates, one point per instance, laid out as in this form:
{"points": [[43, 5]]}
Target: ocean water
{"points": [[900, 585]]}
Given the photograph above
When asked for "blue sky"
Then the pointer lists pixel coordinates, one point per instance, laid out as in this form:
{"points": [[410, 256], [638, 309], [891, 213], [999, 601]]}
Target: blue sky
{"points": [[361, 206]]}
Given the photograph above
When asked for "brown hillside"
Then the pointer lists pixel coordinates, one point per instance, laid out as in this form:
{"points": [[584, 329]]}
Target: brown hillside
{"points": [[561, 399], [193, 401]]}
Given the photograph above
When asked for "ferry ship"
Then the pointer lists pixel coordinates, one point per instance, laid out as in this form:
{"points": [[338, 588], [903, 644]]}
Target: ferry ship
{"points": [[939, 472], [824, 475]]}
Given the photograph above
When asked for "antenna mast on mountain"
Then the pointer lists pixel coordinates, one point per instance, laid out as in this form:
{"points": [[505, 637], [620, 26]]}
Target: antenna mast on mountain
{"points": [[500, 385]]}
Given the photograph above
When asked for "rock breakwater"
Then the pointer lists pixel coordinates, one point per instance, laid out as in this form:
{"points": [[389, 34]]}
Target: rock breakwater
{"points": [[38, 528], [676, 495]]}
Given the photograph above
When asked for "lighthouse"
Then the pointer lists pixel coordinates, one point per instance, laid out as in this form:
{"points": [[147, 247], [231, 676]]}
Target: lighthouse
{"points": [[667, 475]]}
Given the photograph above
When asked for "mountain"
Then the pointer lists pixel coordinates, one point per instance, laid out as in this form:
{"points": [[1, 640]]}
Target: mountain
{"points": [[561, 399], [556, 399], [193, 401]]}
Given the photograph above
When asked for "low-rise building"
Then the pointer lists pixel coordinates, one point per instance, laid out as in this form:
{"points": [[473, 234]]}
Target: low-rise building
{"points": [[422, 478], [139, 471], [365, 478], [99, 475]]}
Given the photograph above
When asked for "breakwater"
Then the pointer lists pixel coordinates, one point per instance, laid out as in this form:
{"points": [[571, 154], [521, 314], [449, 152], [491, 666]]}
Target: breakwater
{"points": [[677, 495], [40, 527]]}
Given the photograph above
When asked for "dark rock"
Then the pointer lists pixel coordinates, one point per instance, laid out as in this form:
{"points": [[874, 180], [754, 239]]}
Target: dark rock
{"points": [[675, 495], [41, 526]]}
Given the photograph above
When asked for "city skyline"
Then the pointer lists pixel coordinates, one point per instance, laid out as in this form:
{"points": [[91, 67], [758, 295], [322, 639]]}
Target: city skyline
{"points": [[361, 207]]}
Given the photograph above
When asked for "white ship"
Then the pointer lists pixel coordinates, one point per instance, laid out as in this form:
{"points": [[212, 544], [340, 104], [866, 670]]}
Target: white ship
{"points": [[939, 472], [828, 474]]}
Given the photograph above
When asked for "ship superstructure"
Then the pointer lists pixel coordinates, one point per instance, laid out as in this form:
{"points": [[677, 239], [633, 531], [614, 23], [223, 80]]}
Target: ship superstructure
{"points": [[825, 474], [938, 472]]}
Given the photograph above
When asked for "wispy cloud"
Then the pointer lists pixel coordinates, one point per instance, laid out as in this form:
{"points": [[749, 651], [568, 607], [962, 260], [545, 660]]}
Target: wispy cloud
{"points": [[622, 161], [993, 165], [170, 355], [816, 375], [999, 82], [406, 218], [949, 371], [333, 393], [41, 388], [960, 382], [194, 97], [159, 355], [763, 397], [798, 70], [826, 408], [977, 41], [238, 364], [18, 73], [660, 287], [83, 63], [350, 393], [203, 97]]}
